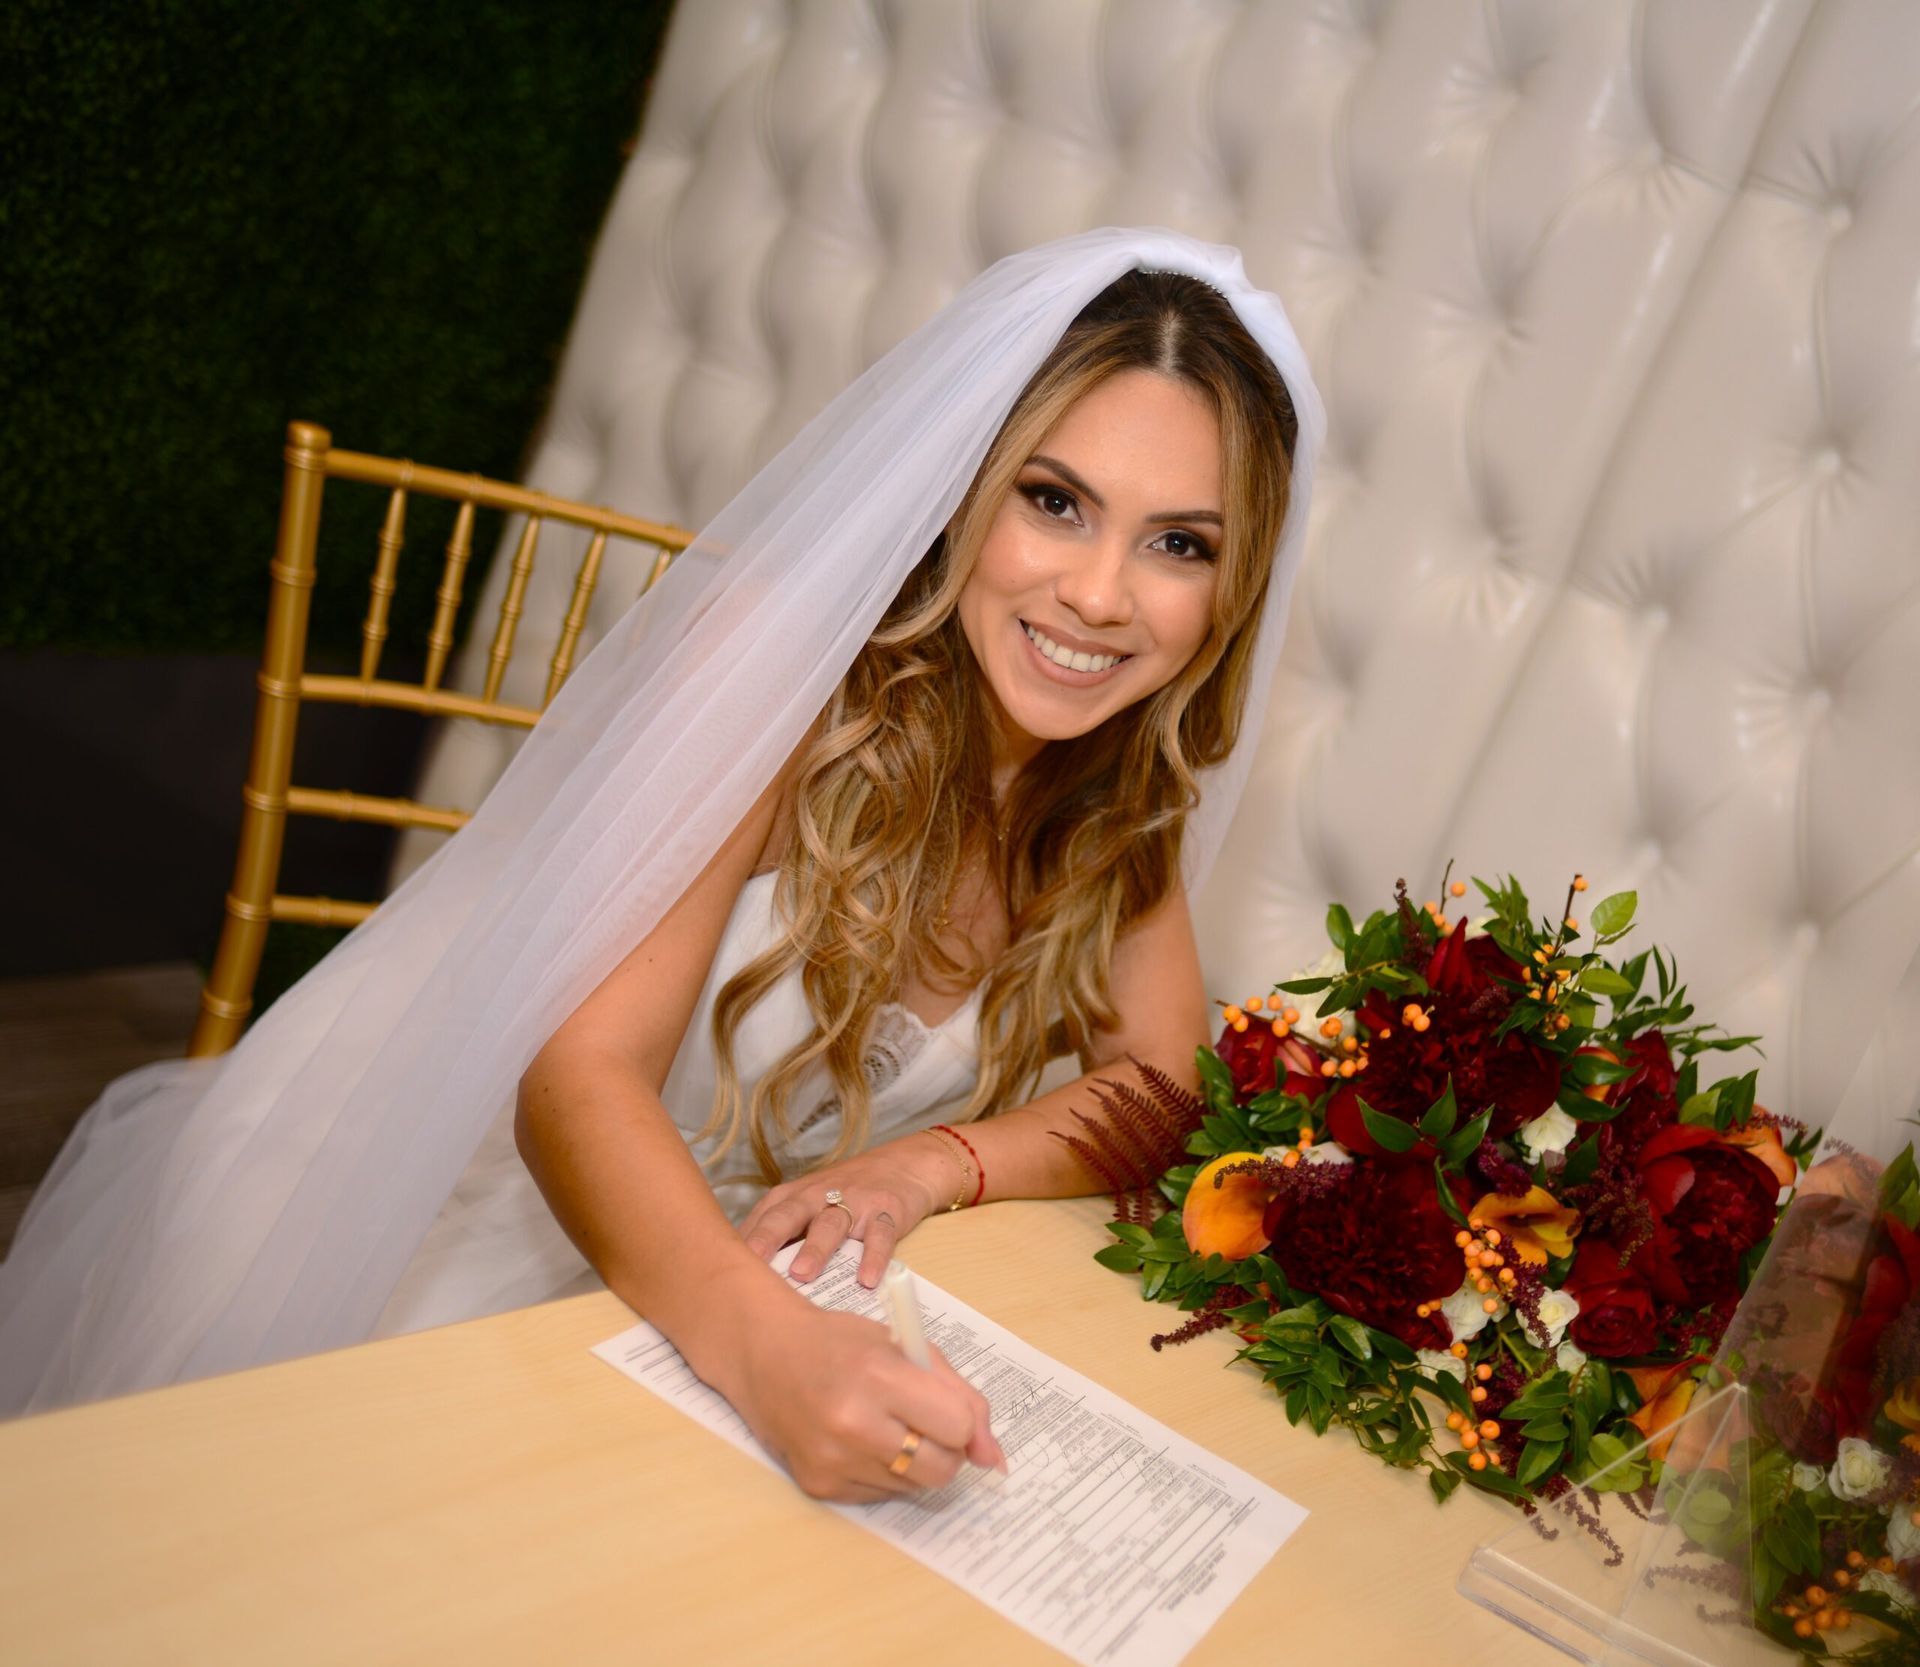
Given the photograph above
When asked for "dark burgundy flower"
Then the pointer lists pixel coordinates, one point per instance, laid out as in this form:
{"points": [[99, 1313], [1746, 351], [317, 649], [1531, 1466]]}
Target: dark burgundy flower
{"points": [[1711, 1203], [1374, 1247], [1409, 1068], [1617, 1315]]}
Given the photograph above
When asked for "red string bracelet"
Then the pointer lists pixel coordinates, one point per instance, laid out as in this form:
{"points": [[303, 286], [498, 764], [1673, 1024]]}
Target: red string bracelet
{"points": [[981, 1191]]}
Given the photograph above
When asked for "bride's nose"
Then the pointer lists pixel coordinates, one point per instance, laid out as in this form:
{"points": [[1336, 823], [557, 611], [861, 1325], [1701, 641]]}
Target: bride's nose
{"points": [[1096, 583]]}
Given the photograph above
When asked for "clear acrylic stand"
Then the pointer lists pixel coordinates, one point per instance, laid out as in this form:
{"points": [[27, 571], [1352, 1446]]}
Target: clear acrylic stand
{"points": [[1671, 1583]]}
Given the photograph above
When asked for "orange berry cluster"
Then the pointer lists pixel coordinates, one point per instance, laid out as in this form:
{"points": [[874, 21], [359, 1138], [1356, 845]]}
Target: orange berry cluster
{"points": [[1471, 1434], [1438, 915], [1486, 1268], [1818, 1609], [1549, 989], [1242, 1015], [1289, 1160]]}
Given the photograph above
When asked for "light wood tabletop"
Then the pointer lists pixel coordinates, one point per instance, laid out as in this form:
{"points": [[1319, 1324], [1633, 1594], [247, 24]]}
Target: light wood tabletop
{"points": [[491, 1492]]}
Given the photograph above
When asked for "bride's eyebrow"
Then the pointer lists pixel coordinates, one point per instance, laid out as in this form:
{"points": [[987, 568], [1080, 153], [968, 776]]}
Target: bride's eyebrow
{"points": [[1099, 502]]}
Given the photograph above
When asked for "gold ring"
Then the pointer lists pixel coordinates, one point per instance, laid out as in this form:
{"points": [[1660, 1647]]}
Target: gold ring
{"points": [[904, 1458], [836, 1202]]}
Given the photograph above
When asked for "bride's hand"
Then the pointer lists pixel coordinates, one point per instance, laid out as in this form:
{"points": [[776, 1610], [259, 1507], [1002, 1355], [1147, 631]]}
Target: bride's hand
{"points": [[848, 1415], [884, 1193]]}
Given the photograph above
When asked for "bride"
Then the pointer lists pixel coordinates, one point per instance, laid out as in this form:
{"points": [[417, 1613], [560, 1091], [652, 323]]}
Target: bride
{"points": [[900, 776]]}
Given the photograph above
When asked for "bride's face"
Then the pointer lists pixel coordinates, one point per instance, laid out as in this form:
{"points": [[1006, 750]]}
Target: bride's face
{"points": [[1095, 585]]}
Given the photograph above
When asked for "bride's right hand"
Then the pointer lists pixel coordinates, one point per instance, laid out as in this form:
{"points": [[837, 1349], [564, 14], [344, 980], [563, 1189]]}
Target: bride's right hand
{"points": [[833, 1399]]}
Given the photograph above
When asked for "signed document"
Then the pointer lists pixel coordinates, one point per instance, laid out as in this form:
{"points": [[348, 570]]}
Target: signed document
{"points": [[1113, 1538]]}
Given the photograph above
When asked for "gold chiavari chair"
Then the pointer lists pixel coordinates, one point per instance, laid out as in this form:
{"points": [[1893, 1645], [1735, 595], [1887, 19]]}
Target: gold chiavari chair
{"points": [[269, 797]]}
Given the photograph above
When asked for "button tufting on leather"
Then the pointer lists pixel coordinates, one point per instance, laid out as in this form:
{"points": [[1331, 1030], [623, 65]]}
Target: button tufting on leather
{"points": [[1641, 265]]}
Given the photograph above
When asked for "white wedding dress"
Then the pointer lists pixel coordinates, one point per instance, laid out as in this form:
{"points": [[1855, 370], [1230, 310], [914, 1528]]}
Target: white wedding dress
{"points": [[496, 1246]]}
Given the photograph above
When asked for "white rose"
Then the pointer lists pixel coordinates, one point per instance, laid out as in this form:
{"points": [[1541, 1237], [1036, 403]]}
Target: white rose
{"points": [[1327, 1151], [1435, 1361], [1903, 1534], [1552, 1131], [1888, 1586], [1807, 1477], [1557, 1311], [1466, 1312], [1859, 1469], [1330, 965], [1569, 1358]]}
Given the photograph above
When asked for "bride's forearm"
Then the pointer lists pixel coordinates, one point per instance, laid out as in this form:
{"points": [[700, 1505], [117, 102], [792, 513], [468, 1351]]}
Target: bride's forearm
{"points": [[621, 1182], [1025, 1151]]}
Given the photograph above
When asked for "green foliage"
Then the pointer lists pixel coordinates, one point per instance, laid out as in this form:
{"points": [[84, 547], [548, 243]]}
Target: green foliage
{"points": [[222, 216]]}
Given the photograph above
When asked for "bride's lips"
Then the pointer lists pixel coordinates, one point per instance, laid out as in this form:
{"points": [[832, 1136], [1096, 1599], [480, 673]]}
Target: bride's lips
{"points": [[1064, 674]]}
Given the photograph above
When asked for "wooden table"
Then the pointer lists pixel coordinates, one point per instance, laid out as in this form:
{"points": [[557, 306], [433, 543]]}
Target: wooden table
{"points": [[492, 1492]]}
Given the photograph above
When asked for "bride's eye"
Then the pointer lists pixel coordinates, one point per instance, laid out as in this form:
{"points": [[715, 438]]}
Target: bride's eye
{"points": [[1054, 502], [1187, 546]]}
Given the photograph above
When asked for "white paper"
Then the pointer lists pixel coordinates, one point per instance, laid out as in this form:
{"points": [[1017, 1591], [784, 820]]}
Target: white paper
{"points": [[1113, 1538]]}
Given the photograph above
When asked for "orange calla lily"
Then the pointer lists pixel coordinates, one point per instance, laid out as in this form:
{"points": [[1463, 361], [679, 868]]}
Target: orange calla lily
{"points": [[1665, 1394], [1225, 1220], [1762, 1140], [1536, 1225], [1903, 1405]]}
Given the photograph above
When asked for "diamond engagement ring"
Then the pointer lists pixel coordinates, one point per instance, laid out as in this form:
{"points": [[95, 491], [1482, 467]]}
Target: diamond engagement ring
{"points": [[836, 1202]]}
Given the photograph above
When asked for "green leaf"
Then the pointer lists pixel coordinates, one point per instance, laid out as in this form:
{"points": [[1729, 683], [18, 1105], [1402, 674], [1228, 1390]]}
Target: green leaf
{"points": [[1613, 915], [1538, 1460], [1122, 1258], [1352, 1336], [1215, 1078], [1593, 1391], [1552, 1427], [1339, 927], [1441, 1115], [1604, 981], [1443, 1482], [1581, 1162], [1389, 1133], [1588, 1069], [1460, 1146], [1446, 1192], [1700, 1108], [1304, 986]]}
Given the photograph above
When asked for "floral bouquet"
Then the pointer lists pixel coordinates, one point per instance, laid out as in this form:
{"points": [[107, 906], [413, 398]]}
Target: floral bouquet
{"points": [[1464, 1190]]}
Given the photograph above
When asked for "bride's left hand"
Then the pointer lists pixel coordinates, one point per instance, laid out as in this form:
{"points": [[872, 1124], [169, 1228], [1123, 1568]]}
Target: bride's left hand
{"points": [[885, 1193]]}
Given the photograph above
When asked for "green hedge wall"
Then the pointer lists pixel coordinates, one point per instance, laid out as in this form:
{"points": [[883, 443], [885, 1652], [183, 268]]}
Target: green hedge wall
{"points": [[217, 216]]}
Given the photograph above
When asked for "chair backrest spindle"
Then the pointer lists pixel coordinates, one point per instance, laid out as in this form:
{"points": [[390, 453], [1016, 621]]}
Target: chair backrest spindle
{"points": [[510, 607], [393, 532], [269, 797]]}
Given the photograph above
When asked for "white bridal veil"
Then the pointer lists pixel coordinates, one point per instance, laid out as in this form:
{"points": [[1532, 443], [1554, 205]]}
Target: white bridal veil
{"points": [[209, 1215]]}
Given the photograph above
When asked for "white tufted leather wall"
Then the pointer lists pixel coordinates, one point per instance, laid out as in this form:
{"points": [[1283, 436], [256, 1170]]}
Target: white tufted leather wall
{"points": [[1616, 309]]}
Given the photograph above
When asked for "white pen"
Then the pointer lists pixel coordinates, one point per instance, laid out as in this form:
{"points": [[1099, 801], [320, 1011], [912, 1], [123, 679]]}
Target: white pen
{"points": [[903, 1314], [903, 1320]]}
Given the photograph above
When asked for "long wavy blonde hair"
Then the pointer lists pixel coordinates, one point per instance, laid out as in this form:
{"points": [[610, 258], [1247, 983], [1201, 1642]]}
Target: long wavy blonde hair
{"points": [[892, 792]]}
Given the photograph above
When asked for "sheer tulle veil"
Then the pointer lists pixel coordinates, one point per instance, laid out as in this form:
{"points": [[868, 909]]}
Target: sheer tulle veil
{"points": [[209, 1215]]}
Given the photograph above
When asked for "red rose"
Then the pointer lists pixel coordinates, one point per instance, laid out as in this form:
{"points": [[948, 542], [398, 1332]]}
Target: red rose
{"points": [[1374, 1246], [1891, 1281], [1249, 1054], [1260, 1058], [1711, 1204], [1616, 1315]]}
